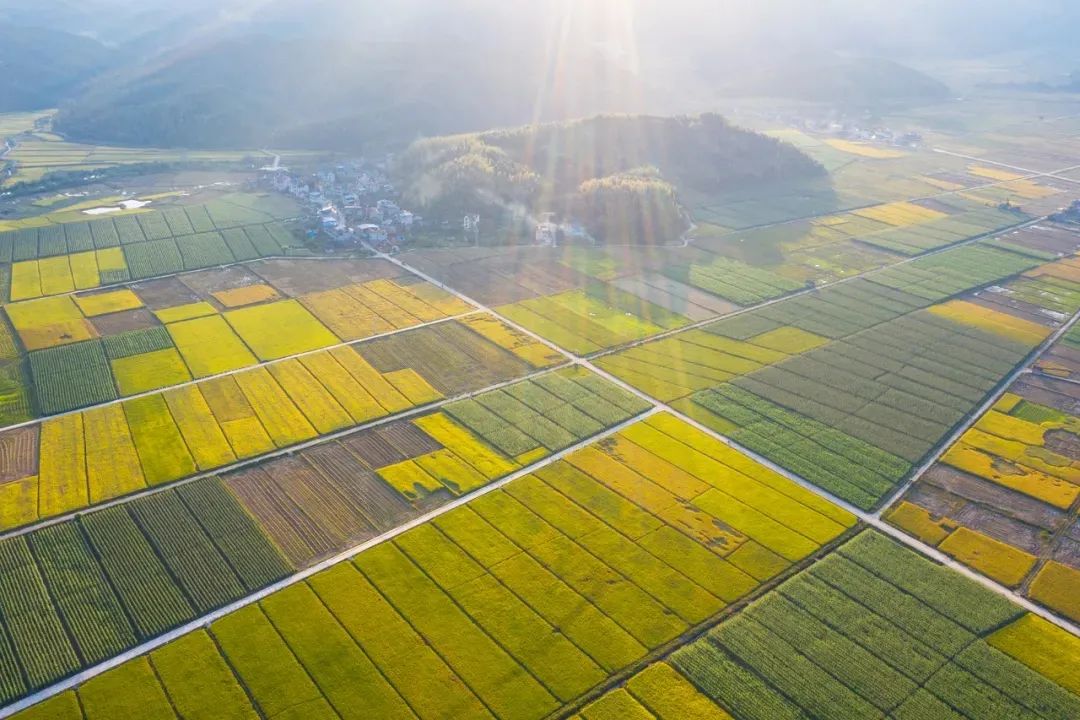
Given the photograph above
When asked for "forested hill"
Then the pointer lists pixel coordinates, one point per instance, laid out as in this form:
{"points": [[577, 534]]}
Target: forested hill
{"points": [[40, 67], [576, 167], [351, 77]]}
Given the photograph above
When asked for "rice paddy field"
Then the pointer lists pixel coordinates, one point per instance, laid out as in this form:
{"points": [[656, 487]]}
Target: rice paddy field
{"points": [[873, 630], [88, 348], [83, 458], [853, 385], [515, 603], [1003, 498], [822, 461], [59, 259]]}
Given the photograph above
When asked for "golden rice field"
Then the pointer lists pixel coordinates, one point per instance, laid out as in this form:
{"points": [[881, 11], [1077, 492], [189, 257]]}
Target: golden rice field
{"points": [[659, 483]]}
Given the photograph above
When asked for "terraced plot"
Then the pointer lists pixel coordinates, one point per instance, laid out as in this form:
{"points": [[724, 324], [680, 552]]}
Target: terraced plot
{"points": [[873, 630], [518, 602]]}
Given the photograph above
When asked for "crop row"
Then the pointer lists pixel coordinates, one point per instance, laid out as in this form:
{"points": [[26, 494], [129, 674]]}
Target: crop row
{"points": [[70, 238], [840, 463], [853, 415], [1000, 500], [586, 321], [871, 631], [941, 232], [71, 376], [512, 605], [146, 258], [950, 273], [734, 280], [80, 592], [678, 366], [551, 412], [160, 438], [66, 274]]}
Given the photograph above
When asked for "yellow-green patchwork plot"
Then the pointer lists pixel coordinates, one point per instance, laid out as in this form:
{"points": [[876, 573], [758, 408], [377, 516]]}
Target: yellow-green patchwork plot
{"points": [[113, 468], [108, 302], [210, 347], [149, 371], [199, 428], [185, 312], [280, 329], [49, 322], [283, 421], [162, 451]]}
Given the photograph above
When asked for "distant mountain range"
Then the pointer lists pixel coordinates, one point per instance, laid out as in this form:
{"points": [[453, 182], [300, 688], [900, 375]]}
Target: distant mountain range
{"points": [[348, 75], [40, 68]]}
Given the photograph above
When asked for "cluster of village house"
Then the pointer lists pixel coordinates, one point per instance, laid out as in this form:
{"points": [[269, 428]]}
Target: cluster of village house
{"points": [[354, 204], [349, 204], [843, 126]]}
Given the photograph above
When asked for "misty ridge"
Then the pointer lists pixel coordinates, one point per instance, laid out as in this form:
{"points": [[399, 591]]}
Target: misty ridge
{"points": [[350, 75]]}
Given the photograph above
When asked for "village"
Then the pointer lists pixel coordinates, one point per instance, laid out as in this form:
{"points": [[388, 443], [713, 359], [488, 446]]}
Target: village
{"points": [[355, 203], [349, 205]]}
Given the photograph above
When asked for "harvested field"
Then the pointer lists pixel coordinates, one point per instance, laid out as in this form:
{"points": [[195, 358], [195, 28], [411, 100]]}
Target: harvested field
{"points": [[448, 356], [207, 282], [310, 490], [299, 538], [122, 322], [497, 277], [373, 450], [407, 438], [353, 479], [301, 277], [165, 293], [18, 454]]}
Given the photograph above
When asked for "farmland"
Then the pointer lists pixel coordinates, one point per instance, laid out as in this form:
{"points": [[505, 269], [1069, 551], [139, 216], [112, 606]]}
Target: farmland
{"points": [[556, 580], [1003, 498], [871, 631], [851, 386], [742, 475], [106, 452], [89, 348], [335, 495], [40, 153], [62, 258]]}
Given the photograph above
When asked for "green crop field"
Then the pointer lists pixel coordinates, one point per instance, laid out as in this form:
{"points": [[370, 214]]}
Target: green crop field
{"points": [[818, 457]]}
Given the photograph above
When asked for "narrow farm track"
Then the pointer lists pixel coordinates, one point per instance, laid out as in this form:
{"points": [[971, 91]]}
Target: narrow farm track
{"points": [[345, 555], [1033, 173], [872, 519]]}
